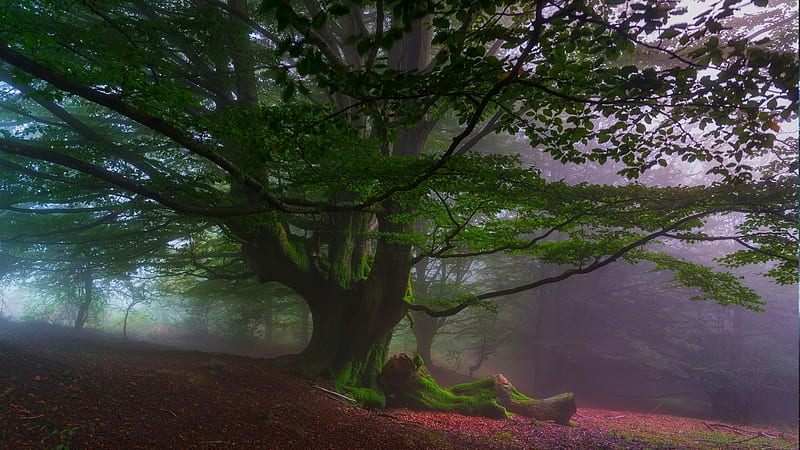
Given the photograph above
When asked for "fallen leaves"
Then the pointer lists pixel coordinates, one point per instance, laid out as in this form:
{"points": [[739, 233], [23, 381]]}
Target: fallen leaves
{"points": [[255, 406]]}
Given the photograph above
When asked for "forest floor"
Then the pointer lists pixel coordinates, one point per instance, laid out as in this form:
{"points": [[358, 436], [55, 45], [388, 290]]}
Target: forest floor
{"points": [[61, 389]]}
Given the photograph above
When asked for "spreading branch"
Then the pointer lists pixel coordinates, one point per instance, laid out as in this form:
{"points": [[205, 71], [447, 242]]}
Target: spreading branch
{"points": [[597, 264]]}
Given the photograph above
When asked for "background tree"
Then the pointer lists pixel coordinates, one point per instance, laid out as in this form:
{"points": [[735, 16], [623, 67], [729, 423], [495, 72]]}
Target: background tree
{"points": [[304, 133]]}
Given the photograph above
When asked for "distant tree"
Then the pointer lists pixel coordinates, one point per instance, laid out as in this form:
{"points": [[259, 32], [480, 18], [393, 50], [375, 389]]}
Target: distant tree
{"points": [[630, 341], [134, 294], [305, 134]]}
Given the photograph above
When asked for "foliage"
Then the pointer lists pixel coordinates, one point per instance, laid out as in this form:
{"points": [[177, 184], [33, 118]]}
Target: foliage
{"points": [[301, 142]]}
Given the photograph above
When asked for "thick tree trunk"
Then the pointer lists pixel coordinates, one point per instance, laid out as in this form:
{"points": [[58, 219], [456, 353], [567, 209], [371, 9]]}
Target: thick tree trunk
{"points": [[424, 329], [352, 328], [353, 315]]}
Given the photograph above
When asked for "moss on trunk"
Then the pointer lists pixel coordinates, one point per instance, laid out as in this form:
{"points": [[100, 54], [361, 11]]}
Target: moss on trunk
{"points": [[408, 384]]}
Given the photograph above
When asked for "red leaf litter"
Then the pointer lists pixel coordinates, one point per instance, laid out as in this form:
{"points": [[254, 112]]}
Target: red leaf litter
{"points": [[596, 429], [62, 389]]}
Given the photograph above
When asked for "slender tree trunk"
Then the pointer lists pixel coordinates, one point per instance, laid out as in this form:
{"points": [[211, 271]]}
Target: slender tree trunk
{"points": [[267, 319], [125, 320], [86, 301]]}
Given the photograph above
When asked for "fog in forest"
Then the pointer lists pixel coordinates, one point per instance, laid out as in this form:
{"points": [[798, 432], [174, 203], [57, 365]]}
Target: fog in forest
{"points": [[620, 337], [498, 197]]}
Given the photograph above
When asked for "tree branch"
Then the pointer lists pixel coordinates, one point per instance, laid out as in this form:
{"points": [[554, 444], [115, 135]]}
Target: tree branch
{"points": [[17, 148], [739, 240], [113, 102], [602, 262]]}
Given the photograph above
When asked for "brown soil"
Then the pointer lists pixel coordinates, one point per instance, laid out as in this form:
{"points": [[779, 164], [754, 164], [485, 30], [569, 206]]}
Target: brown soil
{"points": [[63, 389]]}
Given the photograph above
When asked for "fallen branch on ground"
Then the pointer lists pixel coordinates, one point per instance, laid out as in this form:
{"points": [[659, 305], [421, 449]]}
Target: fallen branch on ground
{"points": [[740, 431], [342, 396]]}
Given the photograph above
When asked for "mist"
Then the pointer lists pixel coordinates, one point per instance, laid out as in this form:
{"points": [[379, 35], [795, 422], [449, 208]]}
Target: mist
{"points": [[552, 213]]}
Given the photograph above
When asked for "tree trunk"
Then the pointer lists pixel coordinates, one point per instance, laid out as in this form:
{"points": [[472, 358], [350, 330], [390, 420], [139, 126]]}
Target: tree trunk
{"points": [[125, 321], [305, 324], [352, 316], [424, 329], [86, 300], [352, 329], [267, 318]]}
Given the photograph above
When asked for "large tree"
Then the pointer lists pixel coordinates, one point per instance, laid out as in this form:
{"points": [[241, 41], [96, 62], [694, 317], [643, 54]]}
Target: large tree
{"points": [[312, 134]]}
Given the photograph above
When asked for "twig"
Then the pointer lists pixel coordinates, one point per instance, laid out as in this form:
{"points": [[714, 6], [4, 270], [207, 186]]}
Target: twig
{"points": [[656, 408], [171, 412], [31, 417], [614, 417], [735, 429], [342, 396], [741, 431]]}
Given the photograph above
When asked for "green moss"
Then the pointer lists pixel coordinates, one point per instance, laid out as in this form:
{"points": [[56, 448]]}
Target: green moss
{"points": [[343, 378], [484, 385], [519, 396], [476, 403], [368, 398], [360, 378]]}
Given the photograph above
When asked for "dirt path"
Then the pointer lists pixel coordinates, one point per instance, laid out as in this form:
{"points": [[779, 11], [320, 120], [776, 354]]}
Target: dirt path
{"points": [[59, 389]]}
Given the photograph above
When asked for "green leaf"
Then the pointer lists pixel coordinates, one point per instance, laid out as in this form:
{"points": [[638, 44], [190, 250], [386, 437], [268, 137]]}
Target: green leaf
{"points": [[338, 9], [283, 16], [441, 22], [319, 20], [670, 33]]}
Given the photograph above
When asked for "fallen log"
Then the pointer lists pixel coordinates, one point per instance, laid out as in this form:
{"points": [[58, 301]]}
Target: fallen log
{"points": [[559, 408], [408, 384]]}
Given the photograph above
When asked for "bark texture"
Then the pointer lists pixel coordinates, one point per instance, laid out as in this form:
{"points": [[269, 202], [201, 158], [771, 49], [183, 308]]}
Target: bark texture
{"points": [[559, 408]]}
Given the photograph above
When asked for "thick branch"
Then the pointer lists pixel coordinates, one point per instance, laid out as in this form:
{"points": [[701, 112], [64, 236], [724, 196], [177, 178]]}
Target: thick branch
{"points": [[601, 262], [18, 148]]}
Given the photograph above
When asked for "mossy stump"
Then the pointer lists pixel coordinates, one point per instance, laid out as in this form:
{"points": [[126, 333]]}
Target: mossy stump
{"points": [[559, 408], [409, 385]]}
